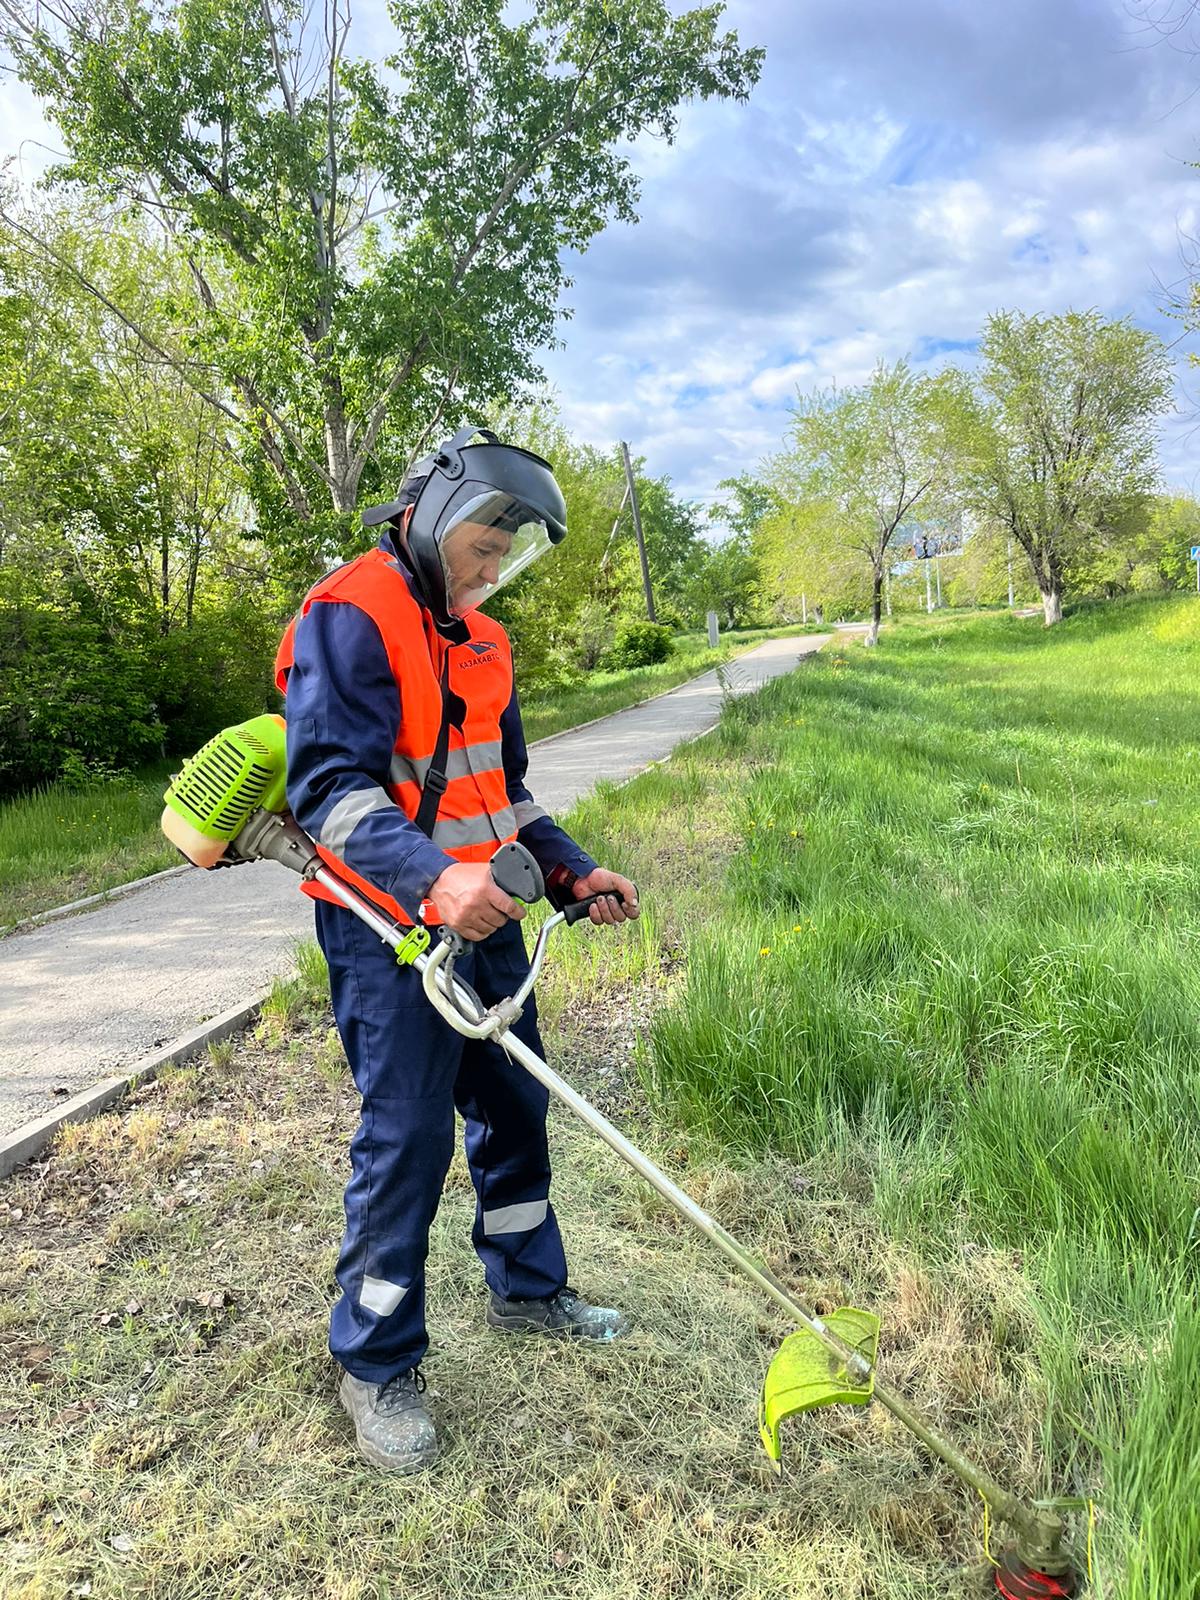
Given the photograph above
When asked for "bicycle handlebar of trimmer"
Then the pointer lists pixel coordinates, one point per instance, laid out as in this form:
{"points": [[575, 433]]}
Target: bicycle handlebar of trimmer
{"points": [[516, 872], [578, 909]]}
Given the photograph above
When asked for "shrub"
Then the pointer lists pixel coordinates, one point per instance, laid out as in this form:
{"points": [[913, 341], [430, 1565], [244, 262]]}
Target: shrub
{"points": [[639, 644], [217, 672], [592, 626], [67, 687]]}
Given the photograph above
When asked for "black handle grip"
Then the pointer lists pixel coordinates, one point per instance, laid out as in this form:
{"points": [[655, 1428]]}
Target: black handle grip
{"points": [[578, 909]]}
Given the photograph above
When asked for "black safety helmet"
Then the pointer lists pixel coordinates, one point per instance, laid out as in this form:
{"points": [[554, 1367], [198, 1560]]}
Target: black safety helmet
{"points": [[488, 485]]}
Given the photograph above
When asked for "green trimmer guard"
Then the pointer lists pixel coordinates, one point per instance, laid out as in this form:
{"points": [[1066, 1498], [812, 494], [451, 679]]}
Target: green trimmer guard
{"points": [[806, 1374]]}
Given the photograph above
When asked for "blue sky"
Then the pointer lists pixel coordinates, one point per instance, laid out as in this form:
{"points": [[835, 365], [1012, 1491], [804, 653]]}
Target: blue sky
{"points": [[904, 167], [901, 170]]}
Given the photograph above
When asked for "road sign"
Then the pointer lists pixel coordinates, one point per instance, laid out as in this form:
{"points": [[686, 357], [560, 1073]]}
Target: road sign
{"points": [[1196, 552]]}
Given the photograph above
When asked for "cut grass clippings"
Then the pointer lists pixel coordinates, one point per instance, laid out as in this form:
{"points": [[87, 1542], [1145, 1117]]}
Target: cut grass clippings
{"points": [[168, 1421]]}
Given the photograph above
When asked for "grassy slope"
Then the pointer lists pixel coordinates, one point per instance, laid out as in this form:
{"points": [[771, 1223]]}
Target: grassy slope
{"points": [[960, 946], [931, 1025], [60, 844]]}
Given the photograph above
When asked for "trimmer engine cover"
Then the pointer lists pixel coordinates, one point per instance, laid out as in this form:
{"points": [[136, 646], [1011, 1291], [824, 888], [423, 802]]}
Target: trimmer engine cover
{"points": [[240, 770]]}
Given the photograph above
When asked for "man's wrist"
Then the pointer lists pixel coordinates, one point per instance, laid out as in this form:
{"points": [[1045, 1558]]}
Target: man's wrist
{"points": [[560, 885]]}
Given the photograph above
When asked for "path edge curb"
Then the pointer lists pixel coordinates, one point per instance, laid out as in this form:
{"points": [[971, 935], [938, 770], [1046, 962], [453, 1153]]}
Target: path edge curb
{"points": [[636, 705], [31, 1138], [115, 893]]}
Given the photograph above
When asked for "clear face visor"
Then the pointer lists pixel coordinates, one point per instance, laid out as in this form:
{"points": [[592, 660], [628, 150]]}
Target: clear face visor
{"points": [[485, 544]]}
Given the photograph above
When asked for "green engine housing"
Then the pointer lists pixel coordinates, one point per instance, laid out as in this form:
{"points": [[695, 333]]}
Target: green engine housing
{"points": [[240, 770]]}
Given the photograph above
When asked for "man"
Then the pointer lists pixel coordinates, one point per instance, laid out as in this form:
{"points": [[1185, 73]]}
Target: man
{"points": [[406, 764]]}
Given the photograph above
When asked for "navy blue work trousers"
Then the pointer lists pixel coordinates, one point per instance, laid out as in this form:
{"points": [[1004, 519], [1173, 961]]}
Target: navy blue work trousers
{"points": [[412, 1069]]}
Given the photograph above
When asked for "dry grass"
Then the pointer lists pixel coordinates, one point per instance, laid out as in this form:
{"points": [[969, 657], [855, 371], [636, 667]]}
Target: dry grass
{"points": [[168, 1420]]}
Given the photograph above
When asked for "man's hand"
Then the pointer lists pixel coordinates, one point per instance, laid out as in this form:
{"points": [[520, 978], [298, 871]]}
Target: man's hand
{"points": [[469, 902], [622, 904]]}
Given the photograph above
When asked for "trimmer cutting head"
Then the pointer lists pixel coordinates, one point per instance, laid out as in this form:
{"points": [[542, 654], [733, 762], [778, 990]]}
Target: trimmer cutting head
{"points": [[1016, 1580]]}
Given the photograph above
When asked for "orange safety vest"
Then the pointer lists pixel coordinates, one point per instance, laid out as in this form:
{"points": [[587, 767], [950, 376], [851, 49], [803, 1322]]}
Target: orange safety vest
{"points": [[475, 816]]}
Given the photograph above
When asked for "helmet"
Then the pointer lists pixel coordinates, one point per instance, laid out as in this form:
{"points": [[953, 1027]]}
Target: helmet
{"points": [[481, 513]]}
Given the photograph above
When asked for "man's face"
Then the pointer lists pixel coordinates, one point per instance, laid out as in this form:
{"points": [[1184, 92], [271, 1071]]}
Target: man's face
{"points": [[472, 555]]}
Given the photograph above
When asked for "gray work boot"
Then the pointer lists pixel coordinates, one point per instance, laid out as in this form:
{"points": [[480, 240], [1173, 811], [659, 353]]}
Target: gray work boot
{"points": [[391, 1424], [563, 1313]]}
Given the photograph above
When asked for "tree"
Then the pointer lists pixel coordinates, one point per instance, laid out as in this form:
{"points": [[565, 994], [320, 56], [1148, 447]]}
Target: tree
{"points": [[749, 502], [371, 252], [127, 616], [872, 455], [675, 548], [1059, 447], [1161, 556], [725, 580], [808, 564]]}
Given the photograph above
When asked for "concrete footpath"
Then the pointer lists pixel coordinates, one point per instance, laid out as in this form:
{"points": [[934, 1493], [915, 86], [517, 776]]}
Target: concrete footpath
{"points": [[132, 982]]}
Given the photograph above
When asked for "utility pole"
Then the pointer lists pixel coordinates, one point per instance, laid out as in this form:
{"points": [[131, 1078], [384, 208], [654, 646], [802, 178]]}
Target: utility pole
{"points": [[928, 589], [637, 528]]}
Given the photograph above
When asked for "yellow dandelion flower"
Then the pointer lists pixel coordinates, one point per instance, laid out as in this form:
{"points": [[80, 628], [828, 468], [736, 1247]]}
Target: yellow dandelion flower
{"points": [[765, 951]]}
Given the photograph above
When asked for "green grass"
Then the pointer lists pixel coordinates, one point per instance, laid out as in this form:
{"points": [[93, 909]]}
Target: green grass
{"points": [[915, 999], [61, 843], [957, 940]]}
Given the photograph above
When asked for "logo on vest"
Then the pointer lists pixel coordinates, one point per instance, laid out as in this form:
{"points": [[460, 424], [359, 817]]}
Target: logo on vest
{"points": [[484, 650]]}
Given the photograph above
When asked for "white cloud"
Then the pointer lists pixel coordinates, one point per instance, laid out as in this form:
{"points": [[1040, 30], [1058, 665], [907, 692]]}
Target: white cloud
{"points": [[900, 172], [832, 268]]}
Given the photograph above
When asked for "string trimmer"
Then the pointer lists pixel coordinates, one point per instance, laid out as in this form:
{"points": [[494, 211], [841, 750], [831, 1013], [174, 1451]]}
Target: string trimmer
{"points": [[228, 805]]}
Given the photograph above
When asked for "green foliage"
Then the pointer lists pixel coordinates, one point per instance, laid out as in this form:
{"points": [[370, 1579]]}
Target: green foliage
{"points": [[725, 579], [594, 630], [1057, 441], [750, 502], [868, 458], [639, 644], [804, 556], [217, 672], [68, 687], [563, 612], [366, 248], [1050, 446], [134, 615]]}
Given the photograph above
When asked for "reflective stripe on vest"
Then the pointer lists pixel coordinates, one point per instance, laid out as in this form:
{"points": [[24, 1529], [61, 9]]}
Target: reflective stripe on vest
{"points": [[474, 815], [482, 757]]}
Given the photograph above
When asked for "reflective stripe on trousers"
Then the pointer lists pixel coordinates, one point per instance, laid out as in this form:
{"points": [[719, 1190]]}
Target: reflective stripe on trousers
{"points": [[412, 1071]]}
